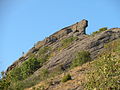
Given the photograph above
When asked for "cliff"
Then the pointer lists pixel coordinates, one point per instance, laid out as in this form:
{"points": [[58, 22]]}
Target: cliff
{"points": [[75, 29], [93, 44], [59, 54]]}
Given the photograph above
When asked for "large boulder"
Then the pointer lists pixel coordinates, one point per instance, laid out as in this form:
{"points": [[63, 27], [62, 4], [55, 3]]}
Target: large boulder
{"points": [[80, 27]]}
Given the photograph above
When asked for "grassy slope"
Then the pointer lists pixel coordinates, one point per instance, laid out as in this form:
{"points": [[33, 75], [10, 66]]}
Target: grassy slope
{"points": [[17, 77], [102, 73]]}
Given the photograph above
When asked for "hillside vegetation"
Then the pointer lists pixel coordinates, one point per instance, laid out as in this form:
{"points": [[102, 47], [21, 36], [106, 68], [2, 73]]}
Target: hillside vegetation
{"points": [[100, 74], [105, 72], [68, 60]]}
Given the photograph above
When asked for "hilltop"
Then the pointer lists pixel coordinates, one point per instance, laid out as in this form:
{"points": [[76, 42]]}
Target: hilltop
{"points": [[68, 60]]}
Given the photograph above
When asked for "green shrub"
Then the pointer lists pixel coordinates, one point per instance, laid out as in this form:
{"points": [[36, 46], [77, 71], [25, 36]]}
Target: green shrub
{"points": [[66, 78], [30, 66], [44, 50], [44, 73], [4, 84], [105, 71], [66, 42], [26, 69], [100, 30], [41, 87], [69, 40], [103, 29], [81, 58]]}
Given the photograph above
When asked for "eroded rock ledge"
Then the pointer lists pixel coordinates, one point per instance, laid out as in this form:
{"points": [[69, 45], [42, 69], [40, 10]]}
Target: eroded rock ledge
{"points": [[93, 44], [75, 29]]}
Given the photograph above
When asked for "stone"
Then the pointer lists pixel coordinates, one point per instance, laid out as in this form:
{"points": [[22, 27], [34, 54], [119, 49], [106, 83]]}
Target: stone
{"points": [[80, 27], [93, 44]]}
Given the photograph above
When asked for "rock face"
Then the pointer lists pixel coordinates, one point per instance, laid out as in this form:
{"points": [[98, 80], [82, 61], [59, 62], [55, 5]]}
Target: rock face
{"points": [[78, 28], [93, 44]]}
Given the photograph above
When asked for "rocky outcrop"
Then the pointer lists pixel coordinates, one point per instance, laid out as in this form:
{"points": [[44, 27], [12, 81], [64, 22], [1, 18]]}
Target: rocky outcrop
{"points": [[93, 44], [78, 28]]}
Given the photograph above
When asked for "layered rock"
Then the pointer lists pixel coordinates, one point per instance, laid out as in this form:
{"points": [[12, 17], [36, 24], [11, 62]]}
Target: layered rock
{"points": [[93, 44], [78, 28]]}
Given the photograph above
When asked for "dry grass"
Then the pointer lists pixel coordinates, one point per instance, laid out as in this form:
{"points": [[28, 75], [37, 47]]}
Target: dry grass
{"points": [[78, 77]]}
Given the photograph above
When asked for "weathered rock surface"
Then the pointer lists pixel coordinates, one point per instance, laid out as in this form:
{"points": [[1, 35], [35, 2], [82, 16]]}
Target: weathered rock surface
{"points": [[79, 27], [93, 44]]}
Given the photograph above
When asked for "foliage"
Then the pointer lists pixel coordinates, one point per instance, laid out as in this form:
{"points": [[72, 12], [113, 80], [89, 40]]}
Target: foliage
{"points": [[44, 53], [66, 42], [18, 75], [29, 66], [44, 50], [81, 58], [103, 29], [14, 78], [39, 88], [105, 73], [44, 73], [100, 30], [66, 78], [4, 84], [26, 69]]}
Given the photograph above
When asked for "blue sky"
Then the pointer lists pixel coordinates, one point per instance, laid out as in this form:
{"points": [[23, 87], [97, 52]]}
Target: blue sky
{"points": [[24, 22]]}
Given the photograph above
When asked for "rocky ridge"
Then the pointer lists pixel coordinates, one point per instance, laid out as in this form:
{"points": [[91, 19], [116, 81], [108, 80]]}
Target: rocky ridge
{"points": [[92, 43], [78, 29]]}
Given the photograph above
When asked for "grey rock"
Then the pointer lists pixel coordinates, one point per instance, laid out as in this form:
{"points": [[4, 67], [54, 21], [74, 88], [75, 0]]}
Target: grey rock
{"points": [[93, 44]]}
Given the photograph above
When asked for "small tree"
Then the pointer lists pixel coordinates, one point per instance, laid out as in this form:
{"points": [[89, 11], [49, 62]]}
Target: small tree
{"points": [[81, 58], [103, 29], [66, 78]]}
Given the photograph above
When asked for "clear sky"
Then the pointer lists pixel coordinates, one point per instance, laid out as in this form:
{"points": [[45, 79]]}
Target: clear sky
{"points": [[24, 22]]}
